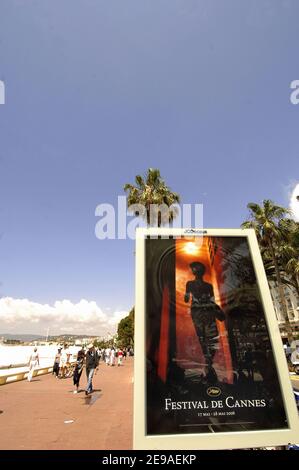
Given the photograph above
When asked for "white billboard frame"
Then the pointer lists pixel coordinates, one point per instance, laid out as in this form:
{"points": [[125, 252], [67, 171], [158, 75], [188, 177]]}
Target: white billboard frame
{"points": [[219, 440]]}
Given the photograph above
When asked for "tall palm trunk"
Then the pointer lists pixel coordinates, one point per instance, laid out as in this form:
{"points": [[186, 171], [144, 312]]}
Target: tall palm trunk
{"points": [[281, 293], [148, 216]]}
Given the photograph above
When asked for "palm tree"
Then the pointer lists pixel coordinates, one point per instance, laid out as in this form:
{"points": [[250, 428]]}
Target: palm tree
{"points": [[151, 191], [266, 220], [289, 252]]}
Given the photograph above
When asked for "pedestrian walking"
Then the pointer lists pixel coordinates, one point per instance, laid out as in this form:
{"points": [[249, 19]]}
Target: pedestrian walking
{"points": [[33, 362], [92, 362], [56, 363], [107, 356], [120, 356], [64, 360], [78, 369], [112, 357]]}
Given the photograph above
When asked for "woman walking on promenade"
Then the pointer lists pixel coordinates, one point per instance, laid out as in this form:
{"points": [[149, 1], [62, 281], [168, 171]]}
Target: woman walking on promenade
{"points": [[92, 363], [120, 356], [64, 359], [33, 362], [56, 363], [78, 369], [107, 356], [125, 353], [112, 357]]}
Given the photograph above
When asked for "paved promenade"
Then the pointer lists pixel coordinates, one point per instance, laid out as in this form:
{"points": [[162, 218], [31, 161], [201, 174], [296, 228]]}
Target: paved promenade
{"points": [[45, 414]]}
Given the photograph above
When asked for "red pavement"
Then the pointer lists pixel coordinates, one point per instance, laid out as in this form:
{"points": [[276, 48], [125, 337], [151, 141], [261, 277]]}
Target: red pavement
{"points": [[34, 414]]}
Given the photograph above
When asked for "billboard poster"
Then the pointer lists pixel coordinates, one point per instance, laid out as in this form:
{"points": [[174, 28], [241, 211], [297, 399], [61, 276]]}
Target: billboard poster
{"points": [[210, 362]]}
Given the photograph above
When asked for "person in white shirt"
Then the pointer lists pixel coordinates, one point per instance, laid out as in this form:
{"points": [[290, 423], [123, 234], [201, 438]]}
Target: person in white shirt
{"points": [[112, 357], [33, 362], [107, 356], [120, 356], [64, 359]]}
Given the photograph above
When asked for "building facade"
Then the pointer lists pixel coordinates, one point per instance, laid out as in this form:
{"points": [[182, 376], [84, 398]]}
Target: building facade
{"points": [[292, 301]]}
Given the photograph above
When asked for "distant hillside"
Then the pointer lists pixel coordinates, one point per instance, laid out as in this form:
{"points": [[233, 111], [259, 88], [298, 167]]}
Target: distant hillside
{"points": [[65, 335], [18, 337], [31, 337]]}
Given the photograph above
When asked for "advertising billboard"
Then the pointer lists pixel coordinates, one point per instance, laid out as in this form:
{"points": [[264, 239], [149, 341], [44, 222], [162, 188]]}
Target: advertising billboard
{"points": [[210, 370]]}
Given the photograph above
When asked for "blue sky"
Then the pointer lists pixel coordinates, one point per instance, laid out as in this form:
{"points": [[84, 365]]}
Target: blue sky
{"points": [[99, 91]]}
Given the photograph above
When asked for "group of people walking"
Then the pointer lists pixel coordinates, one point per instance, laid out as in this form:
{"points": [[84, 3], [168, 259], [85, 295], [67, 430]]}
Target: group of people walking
{"points": [[113, 356], [90, 358], [62, 362], [63, 367]]}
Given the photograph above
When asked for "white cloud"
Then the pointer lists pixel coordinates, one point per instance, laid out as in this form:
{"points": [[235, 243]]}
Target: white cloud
{"points": [[294, 202], [85, 317]]}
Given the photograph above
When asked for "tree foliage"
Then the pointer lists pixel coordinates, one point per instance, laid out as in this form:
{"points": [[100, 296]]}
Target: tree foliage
{"points": [[277, 235], [125, 331], [151, 191]]}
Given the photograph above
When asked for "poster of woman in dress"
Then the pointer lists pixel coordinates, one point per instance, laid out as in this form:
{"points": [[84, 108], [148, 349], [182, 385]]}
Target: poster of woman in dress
{"points": [[210, 361]]}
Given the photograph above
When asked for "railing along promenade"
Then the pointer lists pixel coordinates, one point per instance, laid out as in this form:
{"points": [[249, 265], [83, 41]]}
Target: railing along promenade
{"points": [[15, 376]]}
